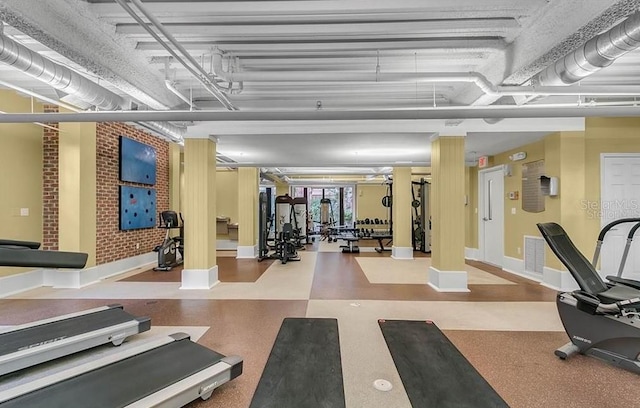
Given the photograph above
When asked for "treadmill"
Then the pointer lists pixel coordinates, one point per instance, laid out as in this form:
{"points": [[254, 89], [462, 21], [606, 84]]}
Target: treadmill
{"points": [[169, 371], [37, 342], [44, 340]]}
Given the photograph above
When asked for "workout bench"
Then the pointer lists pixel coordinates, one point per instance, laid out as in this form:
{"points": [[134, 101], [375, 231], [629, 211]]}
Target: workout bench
{"points": [[351, 247]]}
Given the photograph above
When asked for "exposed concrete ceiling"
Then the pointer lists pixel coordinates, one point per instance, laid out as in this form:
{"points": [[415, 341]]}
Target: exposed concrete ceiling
{"points": [[291, 55]]}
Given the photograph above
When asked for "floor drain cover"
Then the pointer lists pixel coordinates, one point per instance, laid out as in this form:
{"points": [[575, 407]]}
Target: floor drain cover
{"points": [[382, 385]]}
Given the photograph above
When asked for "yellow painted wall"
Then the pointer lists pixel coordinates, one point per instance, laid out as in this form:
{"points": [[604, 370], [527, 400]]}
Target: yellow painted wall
{"points": [[282, 189], [21, 183], [471, 215], [522, 223], [573, 157], [227, 194], [369, 201]]}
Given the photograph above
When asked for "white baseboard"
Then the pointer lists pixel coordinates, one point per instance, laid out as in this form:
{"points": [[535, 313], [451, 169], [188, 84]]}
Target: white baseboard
{"points": [[12, 284], [472, 254], [247, 252], [516, 267], [448, 281], [200, 278], [78, 278], [72, 279], [558, 280], [401, 252], [513, 265], [226, 244]]}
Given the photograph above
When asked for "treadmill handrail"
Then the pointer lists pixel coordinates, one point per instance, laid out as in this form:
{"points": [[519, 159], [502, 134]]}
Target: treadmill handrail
{"points": [[57, 318], [43, 348]]}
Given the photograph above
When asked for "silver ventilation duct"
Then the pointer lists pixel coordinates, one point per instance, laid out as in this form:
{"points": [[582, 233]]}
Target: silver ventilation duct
{"points": [[595, 54], [56, 75], [72, 83]]}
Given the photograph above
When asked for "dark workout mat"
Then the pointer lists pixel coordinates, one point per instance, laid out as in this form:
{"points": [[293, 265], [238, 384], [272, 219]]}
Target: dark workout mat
{"points": [[434, 373], [304, 367]]}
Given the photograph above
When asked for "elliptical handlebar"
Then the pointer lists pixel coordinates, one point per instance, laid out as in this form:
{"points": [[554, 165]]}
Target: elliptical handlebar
{"points": [[169, 220], [612, 224], [607, 228]]}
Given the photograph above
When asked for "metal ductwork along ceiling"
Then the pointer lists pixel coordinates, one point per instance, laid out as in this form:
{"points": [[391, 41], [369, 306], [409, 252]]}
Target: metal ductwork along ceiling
{"points": [[70, 82], [597, 53], [56, 75]]}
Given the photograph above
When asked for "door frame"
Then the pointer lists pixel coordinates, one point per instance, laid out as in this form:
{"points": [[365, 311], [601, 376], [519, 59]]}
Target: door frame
{"points": [[481, 182]]}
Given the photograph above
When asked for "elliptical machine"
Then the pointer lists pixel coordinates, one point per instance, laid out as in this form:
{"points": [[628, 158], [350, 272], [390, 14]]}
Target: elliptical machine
{"points": [[171, 250]]}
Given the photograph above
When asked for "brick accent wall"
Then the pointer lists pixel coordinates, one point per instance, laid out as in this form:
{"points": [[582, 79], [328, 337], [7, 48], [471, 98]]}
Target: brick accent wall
{"points": [[111, 243], [50, 183]]}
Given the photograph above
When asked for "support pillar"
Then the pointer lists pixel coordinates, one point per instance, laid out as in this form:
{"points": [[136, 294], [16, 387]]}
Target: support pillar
{"points": [[447, 272], [175, 170], [77, 189], [402, 246], [199, 207], [248, 185]]}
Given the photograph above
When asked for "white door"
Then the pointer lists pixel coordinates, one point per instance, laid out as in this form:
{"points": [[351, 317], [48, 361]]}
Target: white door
{"points": [[491, 215], [620, 198]]}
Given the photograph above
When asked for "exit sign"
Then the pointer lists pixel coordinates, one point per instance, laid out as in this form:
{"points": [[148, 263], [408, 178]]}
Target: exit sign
{"points": [[483, 161]]}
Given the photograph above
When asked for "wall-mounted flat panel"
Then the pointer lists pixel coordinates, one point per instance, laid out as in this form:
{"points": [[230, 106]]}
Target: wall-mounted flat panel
{"points": [[137, 207], [137, 162]]}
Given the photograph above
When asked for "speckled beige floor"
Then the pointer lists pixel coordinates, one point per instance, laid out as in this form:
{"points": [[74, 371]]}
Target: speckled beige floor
{"points": [[416, 271], [507, 331]]}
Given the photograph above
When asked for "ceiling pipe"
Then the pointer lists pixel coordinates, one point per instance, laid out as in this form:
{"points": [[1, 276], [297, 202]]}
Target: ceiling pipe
{"points": [[57, 76], [171, 87], [597, 53], [471, 77], [460, 112], [195, 69], [173, 132]]}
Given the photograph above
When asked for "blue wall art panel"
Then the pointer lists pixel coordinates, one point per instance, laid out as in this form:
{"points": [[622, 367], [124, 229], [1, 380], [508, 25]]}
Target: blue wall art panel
{"points": [[137, 207], [137, 162]]}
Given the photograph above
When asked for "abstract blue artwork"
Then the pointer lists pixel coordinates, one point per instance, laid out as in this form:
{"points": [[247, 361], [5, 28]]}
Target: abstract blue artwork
{"points": [[137, 162], [137, 207]]}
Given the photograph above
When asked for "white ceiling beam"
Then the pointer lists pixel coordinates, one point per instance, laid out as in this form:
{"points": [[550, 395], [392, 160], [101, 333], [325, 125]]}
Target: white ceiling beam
{"points": [[429, 27], [318, 7], [350, 45], [394, 127], [248, 17]]}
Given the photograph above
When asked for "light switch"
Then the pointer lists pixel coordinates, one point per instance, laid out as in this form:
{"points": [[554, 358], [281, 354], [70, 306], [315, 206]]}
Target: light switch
{"points": [[513, 210], [24, 212]]}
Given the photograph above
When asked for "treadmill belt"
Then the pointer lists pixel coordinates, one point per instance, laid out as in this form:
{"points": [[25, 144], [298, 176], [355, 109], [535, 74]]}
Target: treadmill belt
{"points": [[120, 384], [32, 336], [304, 367], [434, 373]]}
